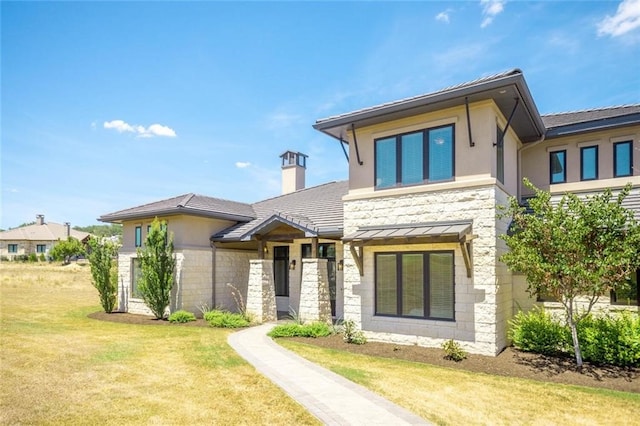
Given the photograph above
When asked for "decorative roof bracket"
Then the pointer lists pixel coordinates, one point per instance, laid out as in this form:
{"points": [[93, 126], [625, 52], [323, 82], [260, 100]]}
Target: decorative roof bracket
{"points": [[466, 105], [356, 253], [355, 141], [504, 132], [343, 149]]}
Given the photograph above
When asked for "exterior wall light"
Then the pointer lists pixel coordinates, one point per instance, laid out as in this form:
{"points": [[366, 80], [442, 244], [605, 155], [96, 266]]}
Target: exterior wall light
{"points": [[340, 265], [292, 265]]}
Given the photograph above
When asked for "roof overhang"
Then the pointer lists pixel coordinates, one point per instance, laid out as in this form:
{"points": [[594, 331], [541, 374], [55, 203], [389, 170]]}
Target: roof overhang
{"points": [[593, 125], [504, 91], [125, 217]]}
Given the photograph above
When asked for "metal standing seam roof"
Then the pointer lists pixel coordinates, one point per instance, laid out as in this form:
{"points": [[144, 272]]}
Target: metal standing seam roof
{"points": [[192, 204], [503, 88], [455, 230], [317, 211]]}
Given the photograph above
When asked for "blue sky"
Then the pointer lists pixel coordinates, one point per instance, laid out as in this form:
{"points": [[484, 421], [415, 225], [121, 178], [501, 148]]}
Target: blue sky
{"points": [[110, 105]]}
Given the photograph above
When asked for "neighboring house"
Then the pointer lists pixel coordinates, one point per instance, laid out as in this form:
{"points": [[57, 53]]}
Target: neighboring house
{"points": [[408, 247], [38, 238]]}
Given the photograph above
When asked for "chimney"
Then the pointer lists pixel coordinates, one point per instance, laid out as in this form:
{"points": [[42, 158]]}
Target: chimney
{"points": [[294, 165], [67, 228], [40, 219]]}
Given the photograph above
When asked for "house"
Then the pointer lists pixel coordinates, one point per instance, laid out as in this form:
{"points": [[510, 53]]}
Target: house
{"points": [[408, 248], [38, 238]]}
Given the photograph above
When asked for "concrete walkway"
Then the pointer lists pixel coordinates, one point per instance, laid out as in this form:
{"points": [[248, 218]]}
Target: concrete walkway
{"points": [[330, 397]]}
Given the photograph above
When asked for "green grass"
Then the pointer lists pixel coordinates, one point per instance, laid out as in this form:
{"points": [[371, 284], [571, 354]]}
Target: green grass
{"points": [[57, 366], [451, 396]]}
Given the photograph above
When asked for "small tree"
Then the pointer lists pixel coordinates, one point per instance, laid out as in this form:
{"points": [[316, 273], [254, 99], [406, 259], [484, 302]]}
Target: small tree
{"points": [[157, 264], [579, 247], [104, 271], [64, 250]]}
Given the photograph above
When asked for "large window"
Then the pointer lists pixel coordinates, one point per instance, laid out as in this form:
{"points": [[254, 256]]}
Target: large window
{"points": [[629, 295], [414, 158], [558, 167], [41, 248], [589, 163], [622, 159], [415, 284], [499, 155], [138, 236], [12, 248], [136, 272]]}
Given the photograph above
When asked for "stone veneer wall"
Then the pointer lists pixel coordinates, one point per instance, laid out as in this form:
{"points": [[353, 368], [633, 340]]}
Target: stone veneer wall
{"points": [[261, 292], [482, 303], [315, 304], [232, 270]]}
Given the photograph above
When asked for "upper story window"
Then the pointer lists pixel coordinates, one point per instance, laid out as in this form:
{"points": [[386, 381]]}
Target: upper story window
{"points": [[138, 236], [414, 158], [622, 159], [589, 163], [558, 166], [499, 155]]}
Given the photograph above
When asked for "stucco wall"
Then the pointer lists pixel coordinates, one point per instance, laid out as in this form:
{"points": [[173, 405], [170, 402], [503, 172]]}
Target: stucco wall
{"points": [[482, 302]]}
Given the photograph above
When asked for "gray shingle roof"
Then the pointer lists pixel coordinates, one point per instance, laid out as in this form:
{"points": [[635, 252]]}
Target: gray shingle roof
{"points": [[316, 211], [190, 204], [564, 123]]}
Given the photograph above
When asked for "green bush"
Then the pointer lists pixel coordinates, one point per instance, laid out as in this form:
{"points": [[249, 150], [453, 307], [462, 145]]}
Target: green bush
{"points": [[315, 329], [225, 319], [611, 339], [182, 316], [537, 331], [42, 258], [352, 334], [33, 257], [453, 351]]}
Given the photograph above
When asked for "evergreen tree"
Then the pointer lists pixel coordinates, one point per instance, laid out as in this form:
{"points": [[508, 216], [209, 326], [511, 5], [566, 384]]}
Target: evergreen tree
{"points": [[104, 271]]}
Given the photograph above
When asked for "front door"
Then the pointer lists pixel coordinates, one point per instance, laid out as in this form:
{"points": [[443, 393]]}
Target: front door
{"points": [[281, 276]]}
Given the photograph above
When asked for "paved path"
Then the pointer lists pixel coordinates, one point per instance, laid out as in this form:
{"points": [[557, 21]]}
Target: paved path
{"points": [[330, 397]]}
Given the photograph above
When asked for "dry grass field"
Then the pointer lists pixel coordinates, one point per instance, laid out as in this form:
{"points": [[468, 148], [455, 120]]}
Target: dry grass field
{"points": [[59, 367]]}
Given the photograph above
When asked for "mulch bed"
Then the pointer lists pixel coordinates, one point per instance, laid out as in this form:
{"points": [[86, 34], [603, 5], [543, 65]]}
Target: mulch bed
{"points": [[509, 363]]}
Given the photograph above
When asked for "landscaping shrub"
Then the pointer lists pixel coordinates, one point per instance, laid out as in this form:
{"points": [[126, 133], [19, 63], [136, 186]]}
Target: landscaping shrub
{"points": [[537, 331], [225, 319], [453, 351], [315, 329], [611, 339], [33, 258], [352, 334], [42, 258], [182, 316]]}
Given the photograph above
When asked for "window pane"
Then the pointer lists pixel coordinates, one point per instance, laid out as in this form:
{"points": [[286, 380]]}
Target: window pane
{"points": [[622, 158], [412, 148], [441, 285], [136, 272], [589, 162], [413, 285], [628, 295], [386, 284], [499, 155], [138, 236], [386, 163], [558, 166], [441, 153]]}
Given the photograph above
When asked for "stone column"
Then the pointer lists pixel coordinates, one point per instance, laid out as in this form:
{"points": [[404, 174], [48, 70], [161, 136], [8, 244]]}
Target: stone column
{"points": [[314, 291], [261, 291]]}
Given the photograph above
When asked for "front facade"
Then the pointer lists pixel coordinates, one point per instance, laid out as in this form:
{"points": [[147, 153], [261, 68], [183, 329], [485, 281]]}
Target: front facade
{"points": [[408, 248], [38, 238]]}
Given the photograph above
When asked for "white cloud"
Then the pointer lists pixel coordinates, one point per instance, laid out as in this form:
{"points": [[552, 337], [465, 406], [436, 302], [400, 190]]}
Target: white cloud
{"points": [[443, 16], [626, 19], [153, 130], [490, 9], [242, 164]]}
